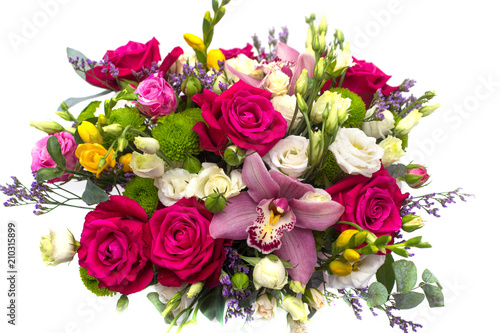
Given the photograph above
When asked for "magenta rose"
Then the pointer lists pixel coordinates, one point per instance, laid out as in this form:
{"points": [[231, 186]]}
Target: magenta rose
{"points": [[182, 247], [372, 203], [115, 245], [127, 58], [156, 97], [244, 114], [41, 158]]}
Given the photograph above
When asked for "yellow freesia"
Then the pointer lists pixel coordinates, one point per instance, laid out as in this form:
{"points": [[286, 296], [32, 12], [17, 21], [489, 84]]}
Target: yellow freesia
{"points": [[340, 269], [90, 154], [195, 42], [213, 58], [89, 133], [125, 160]]}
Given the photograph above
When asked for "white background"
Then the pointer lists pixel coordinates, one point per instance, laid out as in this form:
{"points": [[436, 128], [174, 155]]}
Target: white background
{"points": [[449, 47]]}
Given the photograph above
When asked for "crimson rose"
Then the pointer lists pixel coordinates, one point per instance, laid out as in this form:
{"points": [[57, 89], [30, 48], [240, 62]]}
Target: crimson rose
{"points": [[182, 247], [114, 245], [130, 57], [372, 203]]}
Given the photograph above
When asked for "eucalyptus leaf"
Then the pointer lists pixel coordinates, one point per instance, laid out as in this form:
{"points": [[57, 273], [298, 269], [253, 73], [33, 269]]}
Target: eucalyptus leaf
{"points": [[385, 274], [408, 300], [434, 295], [75, 100], [45, 174], [405, 273], [54, 149], [397, 170], [74, 54], [94, 194], [377, 294], [428, 277], [89, 111]]}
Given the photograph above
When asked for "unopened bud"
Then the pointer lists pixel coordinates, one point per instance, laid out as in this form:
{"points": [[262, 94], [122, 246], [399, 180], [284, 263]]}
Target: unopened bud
{"points": [[113, 129], [49, 127], [315, 43], [323, 26], [147, 145], [301, 103], [428, 109], [234, 155], [351, 255], [240, 281], [64, 115], [121, 144], [412, 222], [194, 289], [345, 236], [340, 268], [319, 69], [122, 303], [339, 35], [192, 87], [302, 84], [215, 202], [192, 164]]}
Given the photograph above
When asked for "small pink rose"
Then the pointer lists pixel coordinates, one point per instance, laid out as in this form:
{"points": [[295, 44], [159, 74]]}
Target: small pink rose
{"points": [[156, 96]]}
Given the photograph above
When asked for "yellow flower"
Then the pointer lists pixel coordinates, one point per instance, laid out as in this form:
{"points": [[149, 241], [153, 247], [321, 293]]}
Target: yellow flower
{"points": [[351, 255], [125, 160], [89, 133], [90, 154], [340, 269], [213, 58], [345, 236], [194, 41]]}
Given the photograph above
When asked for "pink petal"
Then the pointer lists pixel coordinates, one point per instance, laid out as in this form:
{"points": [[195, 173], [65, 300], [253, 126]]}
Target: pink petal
{"points": [[286, 53], [237, 216], [305, 61], [258, 180], [289, 187], [298, 247], [316, 215], [247, 78]]}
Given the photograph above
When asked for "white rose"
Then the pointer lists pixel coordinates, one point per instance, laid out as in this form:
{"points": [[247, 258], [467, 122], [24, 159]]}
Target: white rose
{"points": [[212, 179], [407, 123], [245, 65], [270, 272], [147, 166], [356, 153], [367, 266], [58, 247], [147, 145], [286, 106], [289, 156], [172, 185], [393, 150], [166, 293], [317, 195], [378, 128], [264, 308], [277, 83]]}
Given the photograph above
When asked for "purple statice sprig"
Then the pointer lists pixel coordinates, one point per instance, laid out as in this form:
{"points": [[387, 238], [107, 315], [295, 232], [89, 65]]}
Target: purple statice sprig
{"points": [[397, 321], [88, 67], [428, 202], [272, 41], [144, 72], [206, 78], [396, 101]]}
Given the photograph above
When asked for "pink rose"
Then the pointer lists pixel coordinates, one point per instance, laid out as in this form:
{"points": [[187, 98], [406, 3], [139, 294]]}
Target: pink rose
{"points": [[127, 58], [41, 158], [115, 245], [182, 247], [372, 203], [243, 113], [156, 96]]}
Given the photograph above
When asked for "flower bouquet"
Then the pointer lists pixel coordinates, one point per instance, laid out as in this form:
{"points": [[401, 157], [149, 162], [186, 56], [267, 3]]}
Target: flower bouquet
{"points": [[234, 181]]}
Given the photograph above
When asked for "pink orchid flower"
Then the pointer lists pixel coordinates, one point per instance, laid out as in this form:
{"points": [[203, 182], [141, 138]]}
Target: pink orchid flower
{"points": [[273, 218]]}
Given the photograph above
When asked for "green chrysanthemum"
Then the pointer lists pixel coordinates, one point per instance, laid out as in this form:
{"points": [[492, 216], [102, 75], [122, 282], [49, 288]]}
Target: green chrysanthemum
{"points": [[144, 192], [92, 284], [176, 136], [127, 116], [357, 110], [331, 169]]}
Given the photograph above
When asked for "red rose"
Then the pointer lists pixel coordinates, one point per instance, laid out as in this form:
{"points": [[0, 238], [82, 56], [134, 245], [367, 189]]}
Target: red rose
{"points": [[233, 53], [130, 57], [244, 114], [182, 247], [114, 245], [372, 203], [365, 79]]}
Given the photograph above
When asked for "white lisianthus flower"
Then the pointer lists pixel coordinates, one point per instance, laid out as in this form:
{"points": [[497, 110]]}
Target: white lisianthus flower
{"points": [[393, 150], [317, 195], [407, 123], [147, 145], [297, 327], [166, 293], [296, 308], [277, 83], [186, 57], [270, 272], [146, 165], [212, 179], [317, 300], [289, 156], [245, 65], [286, 106], [378, 128], [360, 277], [356, 153], [172, 185], [58, 247], [265, 308], [343, 57]]}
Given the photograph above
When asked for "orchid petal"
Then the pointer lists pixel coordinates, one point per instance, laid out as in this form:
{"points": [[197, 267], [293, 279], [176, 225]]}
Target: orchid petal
{"points": [[299, 248], [289, 187], [305, 61], [237, 216], [258, 180], [316, 215], [247, 78], [286, 53]]}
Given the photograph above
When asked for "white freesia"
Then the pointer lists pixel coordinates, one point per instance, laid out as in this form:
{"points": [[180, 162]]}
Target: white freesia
{"points": [[172, 185], [212, 179], [146, 165], [317, 195], [58, 247], [406, 124], [378, 128], [270, 272], [245, 65], [286, 106], [166, 293], [277, 83], [265, 308], [147, 145], [360, 277], [393, 150], [356, 153], [289, 156]]}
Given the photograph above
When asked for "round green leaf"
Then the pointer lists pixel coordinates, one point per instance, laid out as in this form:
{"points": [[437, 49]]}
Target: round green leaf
{"points": [[408, 300], [405, 273], [377, 294]]}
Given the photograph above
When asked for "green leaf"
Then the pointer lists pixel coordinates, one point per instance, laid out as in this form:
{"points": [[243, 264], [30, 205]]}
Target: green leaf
{"points": [[397, 170], [405, 273], [408, 300], [45, 174], [122, 303], [385, 274], [54, 149], [428, 277], [377, 294], [413, 241], [94, 194], [382, 240], [89, 111], [71, 53], [434, 295], [249, 300], [213, 305], [399, 251], [155, 299], [75, 100], [251, 260], [215, 5]]}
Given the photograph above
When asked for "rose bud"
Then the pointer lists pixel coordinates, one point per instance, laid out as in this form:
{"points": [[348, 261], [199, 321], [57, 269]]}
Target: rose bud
{"points": [[215, 202], [234, 156], [58, 247], [412, 222], [416, 176], [240, 281], [270, 273]]}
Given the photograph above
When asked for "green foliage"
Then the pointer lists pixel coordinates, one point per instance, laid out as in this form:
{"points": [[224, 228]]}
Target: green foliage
{"points": [[405, 273], [144, 192], [93, 194], [89, 111], [212, 306], [408, 300], [122, 303], [377, 294], [434, 295], [385, 274], [357, 110], [92, 284]]}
